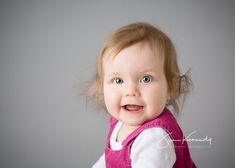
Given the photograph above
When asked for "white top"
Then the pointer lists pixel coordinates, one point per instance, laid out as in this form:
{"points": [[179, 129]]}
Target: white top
{"points": [[152, 148]]}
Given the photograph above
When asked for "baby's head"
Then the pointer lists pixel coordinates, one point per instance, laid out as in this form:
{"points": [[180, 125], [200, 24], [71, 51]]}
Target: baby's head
{"points": [[159, 43]]}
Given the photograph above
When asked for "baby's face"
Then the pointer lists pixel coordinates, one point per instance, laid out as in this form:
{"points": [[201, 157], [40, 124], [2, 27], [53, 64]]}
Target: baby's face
{"points": [[135, 87]]}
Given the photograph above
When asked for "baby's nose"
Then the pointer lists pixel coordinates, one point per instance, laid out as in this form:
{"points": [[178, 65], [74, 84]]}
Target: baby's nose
{"points": [[132, 90]]}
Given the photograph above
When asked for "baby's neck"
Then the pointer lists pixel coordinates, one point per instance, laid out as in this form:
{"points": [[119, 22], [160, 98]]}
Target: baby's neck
{"points": [[124, 131]]}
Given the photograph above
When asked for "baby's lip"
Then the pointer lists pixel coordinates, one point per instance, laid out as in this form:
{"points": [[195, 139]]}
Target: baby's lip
{"points": [[132, 107]]}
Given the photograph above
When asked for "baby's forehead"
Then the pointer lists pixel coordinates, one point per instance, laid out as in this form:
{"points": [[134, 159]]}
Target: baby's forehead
{"points": [[132, 59], [114, 51]]}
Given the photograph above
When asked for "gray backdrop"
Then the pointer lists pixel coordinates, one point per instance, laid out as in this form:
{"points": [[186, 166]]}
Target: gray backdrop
{"points": [[48, 51]]}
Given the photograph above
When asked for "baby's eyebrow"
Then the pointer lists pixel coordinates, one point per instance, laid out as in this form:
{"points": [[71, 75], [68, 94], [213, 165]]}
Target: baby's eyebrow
{"points": [[113, 74], [148, 70], [151, 70]]}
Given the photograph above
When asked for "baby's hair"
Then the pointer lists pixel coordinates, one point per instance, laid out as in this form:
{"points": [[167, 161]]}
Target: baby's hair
{"points": [[126, 36]]}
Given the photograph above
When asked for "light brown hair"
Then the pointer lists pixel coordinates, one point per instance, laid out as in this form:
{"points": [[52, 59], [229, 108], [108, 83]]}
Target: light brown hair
{"points": [[128, 35]]}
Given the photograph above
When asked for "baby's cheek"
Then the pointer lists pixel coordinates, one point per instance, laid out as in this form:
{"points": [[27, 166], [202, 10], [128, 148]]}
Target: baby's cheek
{"points": [[111, 97]]}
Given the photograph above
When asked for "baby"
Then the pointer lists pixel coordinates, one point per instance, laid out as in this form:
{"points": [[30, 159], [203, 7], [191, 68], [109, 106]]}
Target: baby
{"points": [[137, 79]]}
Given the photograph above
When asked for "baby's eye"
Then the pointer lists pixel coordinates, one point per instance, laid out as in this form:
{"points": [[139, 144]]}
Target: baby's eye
{"points": [[117, 80], [146, 79]]}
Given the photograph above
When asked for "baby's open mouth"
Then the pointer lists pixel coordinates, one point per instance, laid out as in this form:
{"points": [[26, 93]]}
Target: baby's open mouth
{"points": [[131, 107]]}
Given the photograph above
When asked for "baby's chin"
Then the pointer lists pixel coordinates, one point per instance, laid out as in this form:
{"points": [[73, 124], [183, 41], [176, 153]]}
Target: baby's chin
{"points": [[133, 123], [138, 122]]}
